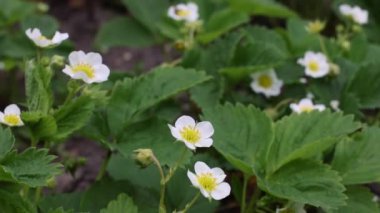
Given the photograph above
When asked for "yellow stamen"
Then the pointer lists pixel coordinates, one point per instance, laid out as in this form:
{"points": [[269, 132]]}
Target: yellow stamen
{"points": [[12, 119], [182, 13], [85, 68], [265, 81], [313, 66], [207, 182], [42, 38], [190, 134], [306, 108]]}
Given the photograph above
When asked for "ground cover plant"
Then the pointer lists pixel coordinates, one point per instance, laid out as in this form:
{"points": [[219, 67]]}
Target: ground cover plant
{"points": [[253, 106]]}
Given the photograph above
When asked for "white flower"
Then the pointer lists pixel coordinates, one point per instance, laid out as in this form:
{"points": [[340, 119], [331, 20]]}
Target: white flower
{"points": [[335, 105], [191, 133], [40, 40], [11, 116], [306, 105], [184, 12], [88, 67], [316, 64], [357, 14], [209, 181], [266, 83]]}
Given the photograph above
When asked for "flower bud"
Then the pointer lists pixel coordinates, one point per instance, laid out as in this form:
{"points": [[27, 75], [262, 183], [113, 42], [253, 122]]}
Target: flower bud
{"points": [[315, 27], [346, 45], [42, 7], [143, 157], [334, 69], [51, 182], [58, 60], [180, 45]]}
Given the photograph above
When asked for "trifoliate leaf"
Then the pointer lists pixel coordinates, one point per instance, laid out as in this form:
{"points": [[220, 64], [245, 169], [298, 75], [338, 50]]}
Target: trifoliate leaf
{"points": [[242, 134], [123, 203], [133, 96], [357, 160], [306, 181], [262, 7], [305, 135], [32, 167]]}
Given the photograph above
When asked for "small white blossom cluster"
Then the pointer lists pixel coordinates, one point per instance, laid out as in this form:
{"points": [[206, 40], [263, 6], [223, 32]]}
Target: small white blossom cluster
{"points": [[355, 13], [208, 180], [86, 67]]}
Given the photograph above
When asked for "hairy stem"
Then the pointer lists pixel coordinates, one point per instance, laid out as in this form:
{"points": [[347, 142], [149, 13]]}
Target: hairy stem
{"points": [[244, 194]]}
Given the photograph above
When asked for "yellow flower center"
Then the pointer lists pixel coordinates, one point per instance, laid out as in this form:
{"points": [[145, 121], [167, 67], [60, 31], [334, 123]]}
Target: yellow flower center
{"points": [[313, 66], [12, 119], [265, 81], [306, 108], [84, 68], [190, 134], [182, 13], [42, 38], [207, 182]]}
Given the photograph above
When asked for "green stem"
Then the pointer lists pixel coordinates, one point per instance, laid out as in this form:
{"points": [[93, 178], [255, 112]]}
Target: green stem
{"points": [[254, 198], [72, 94], [34, 142], [174, 169], [191, 203], [323, 46], [37, 195], [104, 166], [244, 194], [161, 207]]}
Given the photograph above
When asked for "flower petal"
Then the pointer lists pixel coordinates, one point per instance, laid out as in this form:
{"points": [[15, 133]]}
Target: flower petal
{"points": [[205, 128], [193, 178], [221, 191], [102, 73], [184, 121], [175, 132], [76, 57], [207, 142], [200, 168], [205, 193], [12, 109], [93, 58], [189, 145], [218, 174]]}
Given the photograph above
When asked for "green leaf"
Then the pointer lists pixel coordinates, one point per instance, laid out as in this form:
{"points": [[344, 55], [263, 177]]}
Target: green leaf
{"points": [[123, 31], [44, 128], [12, 11], [37, 87], [73, 116], [65, 200], [46, 23], [7, 142], [364, 86], [133, 96], [33, 167], [123, 203], [14, 203], [155, 135], [148, 12], [300, 40], [308, 182], [359, 200], [16, 46], [241, 134], [222, 22], [357, 160], [262, 7], [305, 135]]}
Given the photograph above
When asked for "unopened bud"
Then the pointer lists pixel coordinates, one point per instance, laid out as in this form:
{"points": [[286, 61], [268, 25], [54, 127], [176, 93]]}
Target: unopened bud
{"points": [[271, 112], [58, 60], [180, 45], [346, 45], [42, 7], [315, 27], [334, 69], [143, 157], [51, 182]]}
